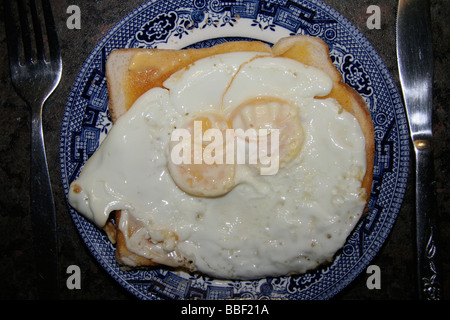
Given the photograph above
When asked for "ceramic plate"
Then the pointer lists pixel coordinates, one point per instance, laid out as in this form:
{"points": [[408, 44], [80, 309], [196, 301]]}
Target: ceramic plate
{"points": [[203, 23]]}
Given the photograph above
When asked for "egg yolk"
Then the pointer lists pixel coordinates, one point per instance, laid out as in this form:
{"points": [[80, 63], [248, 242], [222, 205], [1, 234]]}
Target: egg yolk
{"points": [[272, 113], [205, 173]]}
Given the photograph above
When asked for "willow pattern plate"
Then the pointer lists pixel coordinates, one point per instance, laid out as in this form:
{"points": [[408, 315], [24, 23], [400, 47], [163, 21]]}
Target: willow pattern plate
{"points": [[203, 23]]}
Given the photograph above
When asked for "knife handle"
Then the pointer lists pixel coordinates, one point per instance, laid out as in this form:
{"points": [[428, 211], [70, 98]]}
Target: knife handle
{"points": [[427, 251]]}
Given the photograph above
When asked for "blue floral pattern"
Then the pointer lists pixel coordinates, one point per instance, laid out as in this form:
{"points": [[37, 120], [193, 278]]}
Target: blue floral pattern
{"points": [[355, 76], [157, 29], [204, 23]]}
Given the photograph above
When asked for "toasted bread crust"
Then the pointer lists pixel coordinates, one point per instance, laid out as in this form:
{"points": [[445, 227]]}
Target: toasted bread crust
{"points": [[126, 84]]}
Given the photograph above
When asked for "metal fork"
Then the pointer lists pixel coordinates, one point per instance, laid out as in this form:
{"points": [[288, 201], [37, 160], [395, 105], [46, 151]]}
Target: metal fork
{"points": [[35, 72]]}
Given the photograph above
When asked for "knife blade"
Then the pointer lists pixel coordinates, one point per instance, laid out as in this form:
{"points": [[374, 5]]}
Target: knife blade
{"points": [[415, 64]]}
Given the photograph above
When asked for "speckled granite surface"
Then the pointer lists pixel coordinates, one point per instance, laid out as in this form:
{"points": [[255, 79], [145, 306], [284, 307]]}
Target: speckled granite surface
{"points": [[17, 273]]}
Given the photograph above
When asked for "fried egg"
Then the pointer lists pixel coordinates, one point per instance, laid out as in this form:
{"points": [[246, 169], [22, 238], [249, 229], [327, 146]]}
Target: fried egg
{"points": [[227, 220]]}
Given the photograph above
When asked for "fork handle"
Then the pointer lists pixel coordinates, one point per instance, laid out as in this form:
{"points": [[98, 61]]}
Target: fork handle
{"points": [[43, 213]]}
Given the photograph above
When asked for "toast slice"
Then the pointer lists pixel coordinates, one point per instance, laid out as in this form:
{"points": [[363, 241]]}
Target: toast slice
{"points": [[132, 72]]}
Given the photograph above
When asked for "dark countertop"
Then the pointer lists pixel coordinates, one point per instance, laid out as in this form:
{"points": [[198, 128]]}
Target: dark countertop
{"points": [[396, 258]]}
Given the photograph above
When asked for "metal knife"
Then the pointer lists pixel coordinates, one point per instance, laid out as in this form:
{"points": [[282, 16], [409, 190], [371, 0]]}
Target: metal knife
{"points": [[415, 63]]}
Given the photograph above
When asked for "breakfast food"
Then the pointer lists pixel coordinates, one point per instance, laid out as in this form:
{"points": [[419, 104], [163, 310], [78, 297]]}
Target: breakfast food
{"points": [[239, 161]]}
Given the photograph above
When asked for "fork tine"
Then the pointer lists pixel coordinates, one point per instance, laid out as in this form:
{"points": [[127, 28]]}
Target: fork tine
{"points": [[37, 30], [25, 27], [51, 31], [12, 34]]}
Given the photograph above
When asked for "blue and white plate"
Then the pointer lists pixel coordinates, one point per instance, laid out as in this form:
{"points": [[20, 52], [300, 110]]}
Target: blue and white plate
{"points": [[203, 23]]}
